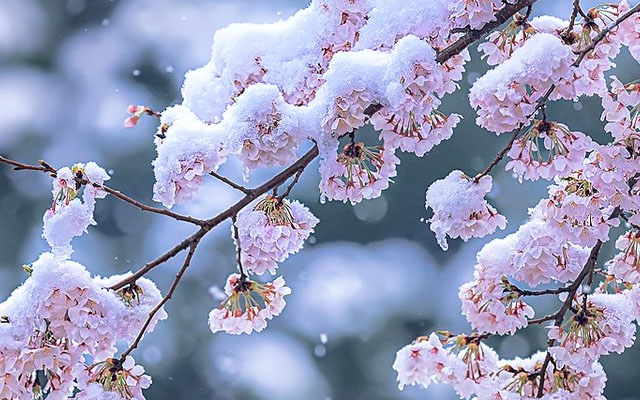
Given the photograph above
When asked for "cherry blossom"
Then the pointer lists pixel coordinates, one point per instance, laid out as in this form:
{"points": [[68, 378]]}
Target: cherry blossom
{"points": [[460, 210], [501, 97], [268, 93], [273, 230], [462, 361], [489, 302], [248, 306], [626, 264], [357, 172], [575, 212], [68, 216], [190, 150], [603, 326], [565, 150], [114, 379]]}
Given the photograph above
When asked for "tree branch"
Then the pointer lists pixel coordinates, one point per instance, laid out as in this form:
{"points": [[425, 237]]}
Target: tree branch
{"points": [[231, 183], [473, 35], [174, 285], [573, 289], [46, 168]]}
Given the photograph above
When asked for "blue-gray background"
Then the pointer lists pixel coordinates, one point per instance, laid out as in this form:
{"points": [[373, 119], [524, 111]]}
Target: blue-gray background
{"points": [[370, 280]]}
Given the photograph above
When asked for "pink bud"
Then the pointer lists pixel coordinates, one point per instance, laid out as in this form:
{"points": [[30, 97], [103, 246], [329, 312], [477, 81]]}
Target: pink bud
{"points": [[132, 109], [131, 121]]}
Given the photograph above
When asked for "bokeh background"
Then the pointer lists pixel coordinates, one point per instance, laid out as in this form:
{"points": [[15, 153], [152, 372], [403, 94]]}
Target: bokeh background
{"points": [[370, 280]]}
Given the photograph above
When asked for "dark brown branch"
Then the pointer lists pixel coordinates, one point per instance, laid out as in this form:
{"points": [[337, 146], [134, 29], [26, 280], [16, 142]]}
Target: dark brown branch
{"points": [[500, 155], [540, 320], [544, 292], [574, 14], [174, 251], [144, 207], [18, 166], [475, 34], [231, 183], [236, 236], [174, 285], [228, 213], [295, 180], [46, 168], [603, 33], [558, 317]]}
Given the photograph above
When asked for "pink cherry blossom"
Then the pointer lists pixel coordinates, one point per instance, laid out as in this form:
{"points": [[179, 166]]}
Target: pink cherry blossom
{"points": [[273, 230], [459, 208]]}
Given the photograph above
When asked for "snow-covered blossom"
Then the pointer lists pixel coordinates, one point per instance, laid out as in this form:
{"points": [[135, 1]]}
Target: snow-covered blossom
{"points": [[565, 151], [459, 208], [488, 302], [539, 256], [248, 306], [114, 379], [602, 327], [59, 316], [263, 130], [190, 150], [626, 264], [357, 172], [69, 217], [462, 361], [506, 96], [274, 229], [519, 379]]}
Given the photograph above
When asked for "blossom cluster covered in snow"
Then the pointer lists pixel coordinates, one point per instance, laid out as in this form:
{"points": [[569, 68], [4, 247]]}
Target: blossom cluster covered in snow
{"points": [[593, 187], [61, 315], [269, 93]]}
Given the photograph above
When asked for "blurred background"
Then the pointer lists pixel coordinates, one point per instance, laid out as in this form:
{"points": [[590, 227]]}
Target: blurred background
{"points": [[369, 281]]}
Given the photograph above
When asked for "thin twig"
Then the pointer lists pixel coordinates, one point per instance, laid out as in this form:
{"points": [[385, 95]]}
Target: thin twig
{"points": [[295, 180], [603, 33], [46, 168], [231, 183], [544, 292], [18, 166], [574, 14], [500, 155], [144, 207], [174, 285], [542, 319]]}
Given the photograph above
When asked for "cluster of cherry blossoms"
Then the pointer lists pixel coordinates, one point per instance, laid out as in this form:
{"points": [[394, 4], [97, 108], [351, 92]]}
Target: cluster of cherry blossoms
{"points": [[593, 187], [58, 317], [268, 93], [475, 371]]}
